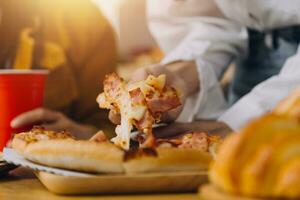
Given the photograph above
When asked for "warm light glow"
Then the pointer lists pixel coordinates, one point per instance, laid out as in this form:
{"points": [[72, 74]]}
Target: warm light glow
{"points": [[110, 9], [109, 2]]}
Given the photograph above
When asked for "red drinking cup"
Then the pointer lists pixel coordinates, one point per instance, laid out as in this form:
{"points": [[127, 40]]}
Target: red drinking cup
{"points": [[20, 91]]}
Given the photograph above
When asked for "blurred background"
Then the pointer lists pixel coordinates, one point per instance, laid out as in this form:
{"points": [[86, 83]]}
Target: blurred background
{"points": [[136, 46], [78, 42]]}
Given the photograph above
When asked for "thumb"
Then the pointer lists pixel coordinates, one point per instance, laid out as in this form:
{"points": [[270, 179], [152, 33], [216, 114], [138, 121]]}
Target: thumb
{"points": [[99, 137], [139, 75], [114, 117]]}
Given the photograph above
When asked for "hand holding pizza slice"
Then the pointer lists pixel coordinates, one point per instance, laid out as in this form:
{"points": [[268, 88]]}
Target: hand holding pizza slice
{"points": [[139, 104]]}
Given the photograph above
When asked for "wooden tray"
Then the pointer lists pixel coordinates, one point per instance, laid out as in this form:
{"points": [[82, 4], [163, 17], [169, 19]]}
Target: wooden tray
{"points": [[122, 184], [208, 192]]}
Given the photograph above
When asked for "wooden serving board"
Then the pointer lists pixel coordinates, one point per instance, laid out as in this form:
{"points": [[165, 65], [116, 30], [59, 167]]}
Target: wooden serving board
{"points": [[208, 192], [123, 184]]}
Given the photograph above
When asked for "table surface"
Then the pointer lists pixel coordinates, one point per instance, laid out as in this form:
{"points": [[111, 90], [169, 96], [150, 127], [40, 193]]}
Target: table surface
{"points": [[29, 188]]}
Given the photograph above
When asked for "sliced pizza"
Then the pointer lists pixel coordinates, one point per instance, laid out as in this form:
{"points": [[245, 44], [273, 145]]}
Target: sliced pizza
{"points": [[79, 155], [193, 140], [21, 140], [190, 152], [139, 104]]}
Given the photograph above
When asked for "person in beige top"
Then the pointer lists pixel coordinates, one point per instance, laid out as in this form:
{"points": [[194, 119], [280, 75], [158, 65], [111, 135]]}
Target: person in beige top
{"points": [[74, 41]]}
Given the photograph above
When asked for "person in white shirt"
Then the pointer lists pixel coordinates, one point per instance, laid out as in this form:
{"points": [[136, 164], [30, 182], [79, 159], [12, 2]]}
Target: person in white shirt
{"points": [[202, 37]]}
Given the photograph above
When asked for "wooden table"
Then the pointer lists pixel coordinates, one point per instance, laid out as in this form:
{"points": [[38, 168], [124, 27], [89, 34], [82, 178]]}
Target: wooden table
{"points": [[13, 188]]}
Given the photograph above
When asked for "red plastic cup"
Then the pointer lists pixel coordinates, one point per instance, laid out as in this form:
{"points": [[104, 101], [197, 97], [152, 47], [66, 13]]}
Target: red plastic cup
{"points": [[20, 91]]}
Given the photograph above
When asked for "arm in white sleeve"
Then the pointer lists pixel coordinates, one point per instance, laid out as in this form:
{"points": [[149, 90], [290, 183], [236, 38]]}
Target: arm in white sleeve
{"points": [[262, 15], [264, 97], [196, 30]]}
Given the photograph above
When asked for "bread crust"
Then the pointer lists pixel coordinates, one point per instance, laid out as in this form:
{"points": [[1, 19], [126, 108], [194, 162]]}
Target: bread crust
{"points": [[21, 140], [87, 156], [290, 106], [168, 159], [249, 163], [19, 144]]}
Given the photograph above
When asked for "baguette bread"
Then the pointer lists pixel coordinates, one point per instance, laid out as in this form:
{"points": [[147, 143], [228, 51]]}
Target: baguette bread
{"points": [[290, 106], [259, 160], [87, 156], [263, 158]]}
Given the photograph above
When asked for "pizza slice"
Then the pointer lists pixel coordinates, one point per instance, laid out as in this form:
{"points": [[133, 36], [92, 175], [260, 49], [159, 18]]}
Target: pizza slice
{"points": [[190, 152], [139, 104], [79, 155], [21, 140]]}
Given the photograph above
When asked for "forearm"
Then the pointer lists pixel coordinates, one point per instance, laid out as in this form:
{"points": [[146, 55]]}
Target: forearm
{"points": [[265, 96], [188, 33]]}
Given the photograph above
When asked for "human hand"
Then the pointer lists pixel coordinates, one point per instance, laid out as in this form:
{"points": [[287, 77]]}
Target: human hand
{"points": [[99, 137], [181, 75], [51, 120]]}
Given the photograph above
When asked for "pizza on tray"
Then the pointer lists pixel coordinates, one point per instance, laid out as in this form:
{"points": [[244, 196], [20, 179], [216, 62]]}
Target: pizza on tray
{"points": [[140, 106], [191, 152]]}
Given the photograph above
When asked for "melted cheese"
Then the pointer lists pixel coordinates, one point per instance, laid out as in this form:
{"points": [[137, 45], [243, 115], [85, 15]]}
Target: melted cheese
{"points": [[157, 82], [129, 112], [102, 101], [152, 83]]}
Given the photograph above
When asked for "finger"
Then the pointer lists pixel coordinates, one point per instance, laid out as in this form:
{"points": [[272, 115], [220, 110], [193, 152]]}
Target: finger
{"points": [[34, 116], [139, 75], [54, 126], [142, 73], [99, 137], [114, 118], [171, 115], [173, 79]]}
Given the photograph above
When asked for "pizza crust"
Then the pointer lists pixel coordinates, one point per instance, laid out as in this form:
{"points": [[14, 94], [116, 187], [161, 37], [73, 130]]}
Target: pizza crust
{"points": [[21, 140], [105, 157], [18, 144], [87, 156], [167, 159]]}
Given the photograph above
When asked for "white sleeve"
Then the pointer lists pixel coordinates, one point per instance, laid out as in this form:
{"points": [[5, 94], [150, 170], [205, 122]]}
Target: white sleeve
{"points": [[262, 15], [194, 30], [264, 97]]}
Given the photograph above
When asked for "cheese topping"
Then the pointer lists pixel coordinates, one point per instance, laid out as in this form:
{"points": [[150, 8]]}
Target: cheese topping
{"points": [[128, 113], [39, 133], [133, 102]]}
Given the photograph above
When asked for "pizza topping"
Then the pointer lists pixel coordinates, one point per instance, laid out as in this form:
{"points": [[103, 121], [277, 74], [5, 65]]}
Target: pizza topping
{"points": [[140, 110], [165, 102], [173, 142], [39, 133], [193, 140], [139, 104], [116, 98]]}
